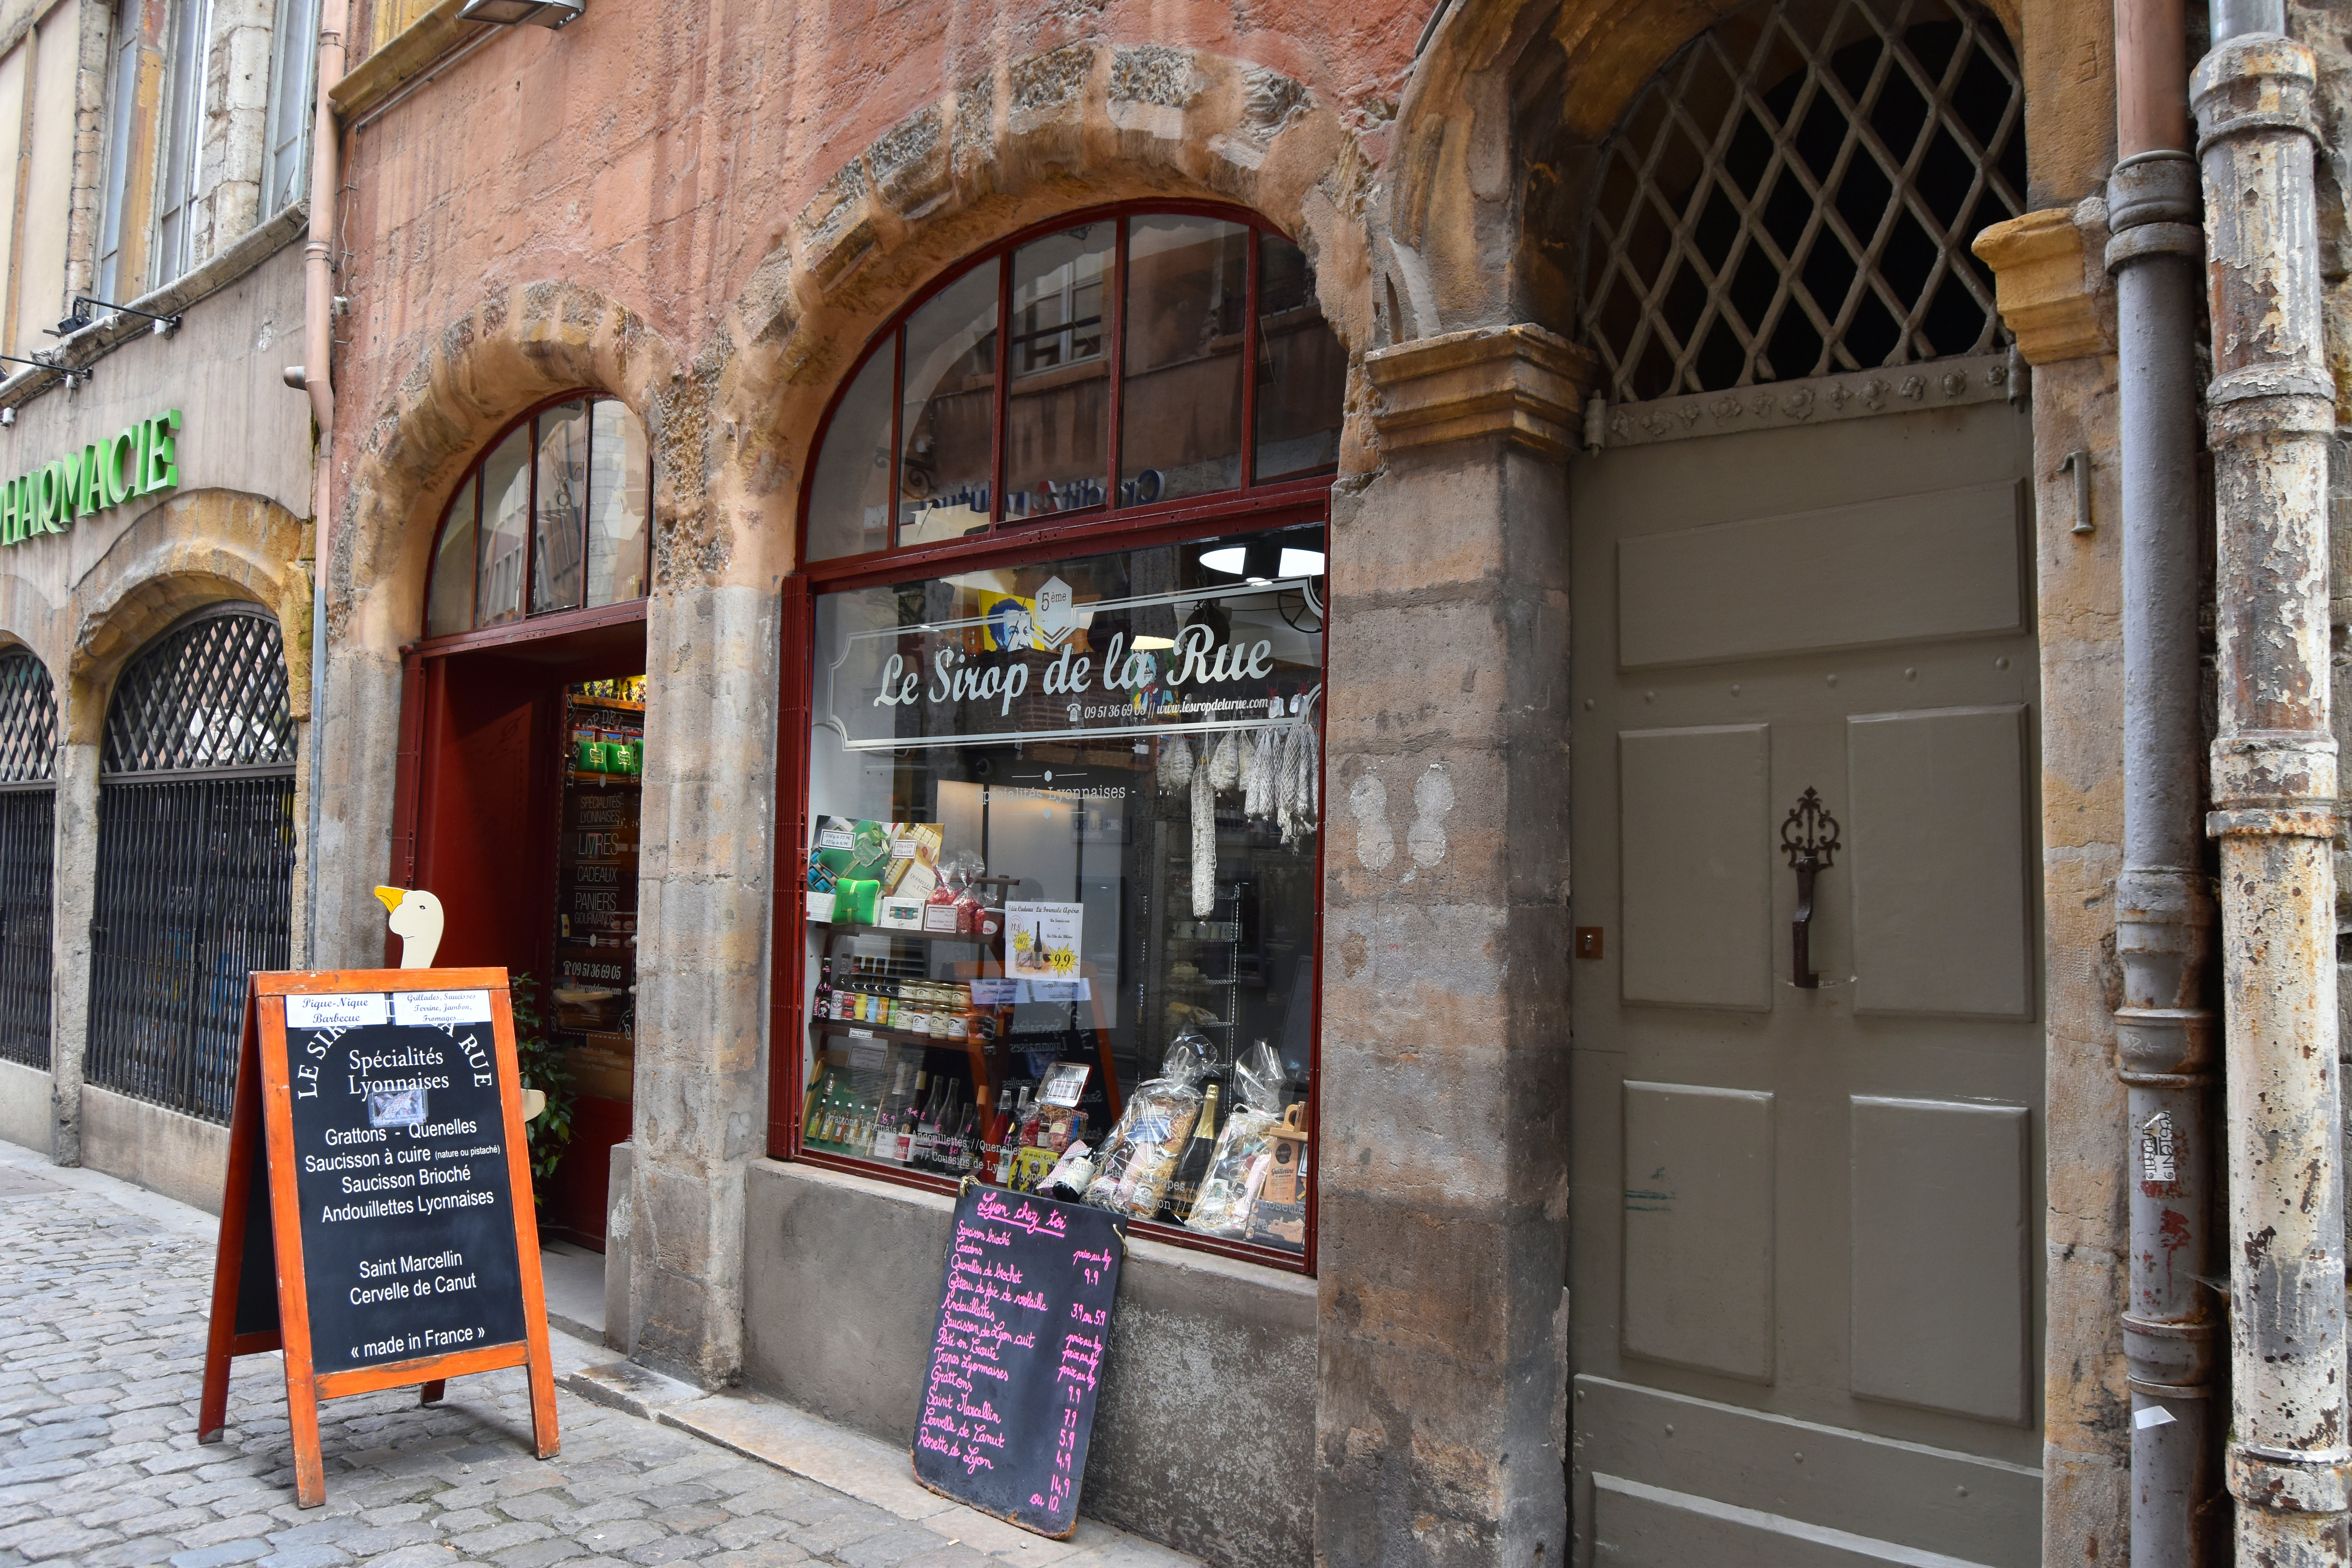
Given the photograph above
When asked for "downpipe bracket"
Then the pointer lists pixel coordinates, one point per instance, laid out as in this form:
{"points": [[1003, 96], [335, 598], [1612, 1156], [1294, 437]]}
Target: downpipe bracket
{"points": [[2280, 1483]]}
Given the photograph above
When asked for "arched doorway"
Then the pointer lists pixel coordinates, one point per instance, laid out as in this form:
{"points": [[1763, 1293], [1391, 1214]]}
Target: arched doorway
{"points": [[521, 756], [195, 856], [28, 746], [1807, 1044]]}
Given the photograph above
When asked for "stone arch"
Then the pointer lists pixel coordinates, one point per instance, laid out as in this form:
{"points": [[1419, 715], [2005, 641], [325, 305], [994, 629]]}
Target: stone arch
{"points": [[193, 551], [1495, 138], [518, 347], [30, 621], [1080, 126]]}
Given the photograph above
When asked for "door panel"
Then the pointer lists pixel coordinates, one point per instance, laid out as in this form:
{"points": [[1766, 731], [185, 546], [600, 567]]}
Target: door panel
{"points": [[1698, 875], [1698, 1227], [1939, 1230], [1908, 568], [1939, 855], [1806, 1218]]}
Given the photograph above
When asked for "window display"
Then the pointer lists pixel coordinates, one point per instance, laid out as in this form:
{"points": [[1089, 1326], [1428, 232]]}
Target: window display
{"points": [[595, 991], [1060, 887]]}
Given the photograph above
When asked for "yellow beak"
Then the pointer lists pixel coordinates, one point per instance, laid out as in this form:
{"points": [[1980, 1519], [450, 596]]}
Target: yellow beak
{"points": [[390, 897]]}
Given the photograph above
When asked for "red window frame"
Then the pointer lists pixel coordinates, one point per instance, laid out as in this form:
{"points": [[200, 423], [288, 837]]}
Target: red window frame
{"points": [[543, 623], [1248, 508]]}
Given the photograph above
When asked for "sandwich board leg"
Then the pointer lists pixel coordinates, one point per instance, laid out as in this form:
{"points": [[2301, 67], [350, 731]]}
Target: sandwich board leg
{"points": [[302, 1419], [431, 1393], [228, 1258]]}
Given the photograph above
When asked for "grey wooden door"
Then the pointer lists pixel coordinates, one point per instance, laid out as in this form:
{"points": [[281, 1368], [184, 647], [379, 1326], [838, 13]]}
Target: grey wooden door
{"points": [[1806, 1265]]}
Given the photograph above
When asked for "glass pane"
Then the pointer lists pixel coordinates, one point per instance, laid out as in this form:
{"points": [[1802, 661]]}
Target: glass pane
{"points": [[1069, 810], [950, 408], [592, 1006], [557, 564], [1180, 423], [506, 511], [449, 598], [1302, 371], [619, 488], [849, 503], [1057, 407]]}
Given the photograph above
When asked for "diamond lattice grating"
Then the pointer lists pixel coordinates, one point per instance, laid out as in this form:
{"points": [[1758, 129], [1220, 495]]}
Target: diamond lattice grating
{"points": [[210, 694], [28, 720], [1794, 195]]}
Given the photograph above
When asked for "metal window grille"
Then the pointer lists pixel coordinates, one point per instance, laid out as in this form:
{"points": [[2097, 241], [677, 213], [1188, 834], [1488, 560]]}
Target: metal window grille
{"points": [[1794, 195], [195, 858], [28, 734]]}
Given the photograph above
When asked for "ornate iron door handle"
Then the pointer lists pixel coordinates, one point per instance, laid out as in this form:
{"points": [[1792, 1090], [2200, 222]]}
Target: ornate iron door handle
{"points": [[1809, 837]]}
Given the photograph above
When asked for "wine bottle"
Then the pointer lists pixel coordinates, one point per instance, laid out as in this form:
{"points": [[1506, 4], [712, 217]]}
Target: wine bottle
{"points": [[816, 1103], [1185, 1185], [902, 1147]]}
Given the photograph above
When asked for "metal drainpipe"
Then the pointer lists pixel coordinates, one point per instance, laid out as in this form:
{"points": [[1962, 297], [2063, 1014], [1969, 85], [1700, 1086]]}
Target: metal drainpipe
{"points": [[2272, 414], [318, 379], [2164, 900]]}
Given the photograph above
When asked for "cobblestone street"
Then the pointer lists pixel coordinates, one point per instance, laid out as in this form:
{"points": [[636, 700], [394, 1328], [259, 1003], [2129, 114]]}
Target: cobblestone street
{"points": [[102, 1305]]}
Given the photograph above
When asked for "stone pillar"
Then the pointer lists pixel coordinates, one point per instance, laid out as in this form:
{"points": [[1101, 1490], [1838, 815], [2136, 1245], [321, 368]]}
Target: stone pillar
{"points": [[705, 867], [73, 904], [1443, 1252]]}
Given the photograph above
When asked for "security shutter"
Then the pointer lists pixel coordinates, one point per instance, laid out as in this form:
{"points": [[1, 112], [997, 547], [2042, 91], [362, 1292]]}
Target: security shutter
{"points": [[195, 857]]}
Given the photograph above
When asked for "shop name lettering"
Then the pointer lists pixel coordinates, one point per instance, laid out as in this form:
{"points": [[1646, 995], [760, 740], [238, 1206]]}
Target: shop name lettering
{"points": [[143, 460], [956, 677]]}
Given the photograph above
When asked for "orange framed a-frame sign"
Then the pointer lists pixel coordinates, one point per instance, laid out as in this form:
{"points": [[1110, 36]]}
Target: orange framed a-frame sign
{"points": [[377, 1226]]}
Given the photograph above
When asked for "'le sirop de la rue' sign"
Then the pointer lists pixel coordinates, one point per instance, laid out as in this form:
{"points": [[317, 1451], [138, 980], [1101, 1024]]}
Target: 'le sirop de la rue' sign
{"points": [[142, 460]]}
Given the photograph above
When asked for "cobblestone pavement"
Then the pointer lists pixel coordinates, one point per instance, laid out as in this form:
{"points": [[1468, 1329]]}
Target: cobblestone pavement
{"points": [[102, 1311]]}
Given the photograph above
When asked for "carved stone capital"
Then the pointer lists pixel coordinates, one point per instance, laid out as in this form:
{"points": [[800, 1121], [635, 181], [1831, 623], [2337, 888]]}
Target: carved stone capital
{"points": [[2041, 285], [1520, 381]]}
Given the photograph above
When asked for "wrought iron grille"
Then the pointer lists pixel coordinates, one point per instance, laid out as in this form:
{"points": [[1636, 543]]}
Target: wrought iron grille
{"points": [[28, 829], [195, 858], [28, 747], [1794, 195], [195, 884], [28, 720], [210, 694]]}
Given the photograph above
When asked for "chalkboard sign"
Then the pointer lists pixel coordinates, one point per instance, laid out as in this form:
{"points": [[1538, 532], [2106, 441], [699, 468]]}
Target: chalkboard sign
{"points": [[378, 1170], [1017, 1357]]}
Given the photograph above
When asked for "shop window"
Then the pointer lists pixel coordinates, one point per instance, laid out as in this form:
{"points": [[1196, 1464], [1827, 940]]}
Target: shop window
{"points": [[1096, 367], [1062, 865], [554, 517]]}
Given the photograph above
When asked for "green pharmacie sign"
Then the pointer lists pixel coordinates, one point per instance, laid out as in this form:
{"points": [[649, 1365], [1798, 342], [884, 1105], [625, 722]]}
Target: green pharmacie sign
{"points": [[143, 460]]}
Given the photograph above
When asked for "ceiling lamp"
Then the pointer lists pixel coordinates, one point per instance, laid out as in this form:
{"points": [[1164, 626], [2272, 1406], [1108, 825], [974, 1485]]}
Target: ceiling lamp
{"points": [[507, 12]]}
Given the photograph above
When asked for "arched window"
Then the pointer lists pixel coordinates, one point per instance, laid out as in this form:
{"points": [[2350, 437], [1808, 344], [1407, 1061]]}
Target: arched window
{"points": [[29, 748], [553, 517], [1794, 195], [195, 856], [1058, 764], [1120, 386]]}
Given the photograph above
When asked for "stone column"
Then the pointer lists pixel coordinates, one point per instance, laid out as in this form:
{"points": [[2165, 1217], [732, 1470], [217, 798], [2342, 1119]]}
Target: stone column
{"points": [[73, 903], [1442, 1262], [706, 864]]}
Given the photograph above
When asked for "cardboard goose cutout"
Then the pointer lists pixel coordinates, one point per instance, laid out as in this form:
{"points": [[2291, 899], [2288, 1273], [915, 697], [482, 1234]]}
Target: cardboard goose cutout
{"points": [[416, 921]]}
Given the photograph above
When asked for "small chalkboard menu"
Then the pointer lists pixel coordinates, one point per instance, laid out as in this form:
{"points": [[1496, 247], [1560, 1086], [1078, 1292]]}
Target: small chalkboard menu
{"points": [[1017, 1357], [377, 1226]]}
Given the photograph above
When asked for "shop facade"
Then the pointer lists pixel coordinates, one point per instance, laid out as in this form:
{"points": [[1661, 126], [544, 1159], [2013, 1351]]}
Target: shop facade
{"points": [[158, 594], [1161, 555]]}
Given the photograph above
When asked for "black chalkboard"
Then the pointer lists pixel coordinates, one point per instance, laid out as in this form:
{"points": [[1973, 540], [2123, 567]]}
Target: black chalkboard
{"points": [[376, 1230], [1017, 1356], [406, 1202]]}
